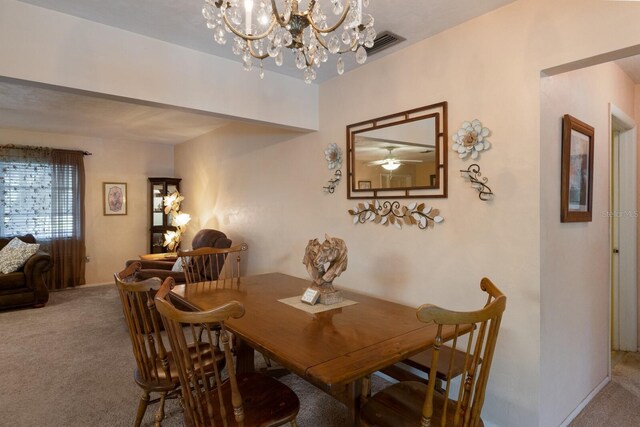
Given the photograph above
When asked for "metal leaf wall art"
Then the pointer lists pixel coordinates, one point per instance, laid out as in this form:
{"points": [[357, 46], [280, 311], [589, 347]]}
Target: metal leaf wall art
{"points": [[480, 184], [393, 213]]}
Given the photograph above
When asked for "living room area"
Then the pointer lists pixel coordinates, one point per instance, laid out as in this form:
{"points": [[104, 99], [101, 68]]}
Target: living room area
{"points": [[252, 155]]}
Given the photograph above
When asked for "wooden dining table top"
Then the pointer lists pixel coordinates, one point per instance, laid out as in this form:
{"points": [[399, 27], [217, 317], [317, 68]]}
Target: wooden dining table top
{"points": [[333, 347]]}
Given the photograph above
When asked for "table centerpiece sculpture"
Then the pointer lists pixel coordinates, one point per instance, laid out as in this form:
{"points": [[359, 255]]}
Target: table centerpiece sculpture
{"points": [[325, 261]]}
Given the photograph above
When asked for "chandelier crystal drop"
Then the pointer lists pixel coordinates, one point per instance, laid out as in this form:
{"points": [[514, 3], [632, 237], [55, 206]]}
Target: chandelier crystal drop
{"points": [[264, 28]]}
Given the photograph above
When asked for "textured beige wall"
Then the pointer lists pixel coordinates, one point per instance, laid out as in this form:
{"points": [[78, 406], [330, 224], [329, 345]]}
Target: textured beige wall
{"points": [[575, 256], [269, 192], [637, 119], [110, 240]]}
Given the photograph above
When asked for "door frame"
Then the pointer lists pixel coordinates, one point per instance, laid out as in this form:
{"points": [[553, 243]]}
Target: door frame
{"points": [[624, 300]]}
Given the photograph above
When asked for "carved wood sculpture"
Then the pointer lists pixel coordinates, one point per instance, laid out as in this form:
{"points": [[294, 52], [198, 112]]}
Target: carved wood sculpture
{"points": [[325, 261]]}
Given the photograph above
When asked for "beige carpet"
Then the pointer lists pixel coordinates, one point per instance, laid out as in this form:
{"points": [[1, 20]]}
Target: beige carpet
{"points": [[618, 404], [70, 364]]}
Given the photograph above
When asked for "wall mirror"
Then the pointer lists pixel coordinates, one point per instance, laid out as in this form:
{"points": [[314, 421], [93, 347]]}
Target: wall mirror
{"points": [[403, 155]]}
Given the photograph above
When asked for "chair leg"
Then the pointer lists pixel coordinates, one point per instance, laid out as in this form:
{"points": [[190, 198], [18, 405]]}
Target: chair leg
{"points": [[160, 413], [267, 361], [142, 407], [293, 423]]}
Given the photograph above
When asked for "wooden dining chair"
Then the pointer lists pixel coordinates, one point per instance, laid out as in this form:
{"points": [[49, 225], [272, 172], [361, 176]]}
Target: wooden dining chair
{"points": [[410, 369], [156, 371], [221, 265], [250, 399], [413, 403]]}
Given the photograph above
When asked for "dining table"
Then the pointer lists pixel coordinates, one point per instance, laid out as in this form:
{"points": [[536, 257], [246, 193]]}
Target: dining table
{"points": [[336, 350]]}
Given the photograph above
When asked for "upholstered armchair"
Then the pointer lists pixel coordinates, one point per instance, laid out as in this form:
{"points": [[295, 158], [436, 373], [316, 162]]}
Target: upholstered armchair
{"points": [[163, 269], [26, 286]]}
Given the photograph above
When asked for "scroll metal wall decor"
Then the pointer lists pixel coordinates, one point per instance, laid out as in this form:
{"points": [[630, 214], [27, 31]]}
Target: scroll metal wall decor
{"points": [[393, 213], [480, 184], [333, 182]]}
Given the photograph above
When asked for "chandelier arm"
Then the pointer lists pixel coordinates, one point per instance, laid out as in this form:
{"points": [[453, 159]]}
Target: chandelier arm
{"points": [[278, 18], [335, 26], [246, 36], [254, 54], [323, 43]]}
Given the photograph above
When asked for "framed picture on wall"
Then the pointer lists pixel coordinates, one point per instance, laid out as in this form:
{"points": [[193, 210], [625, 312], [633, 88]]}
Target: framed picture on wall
{"points": [[364, 185], [577, 171], [114, 198]]}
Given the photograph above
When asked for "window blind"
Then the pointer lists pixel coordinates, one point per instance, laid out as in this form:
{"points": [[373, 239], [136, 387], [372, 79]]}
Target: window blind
{"points": [[26, 205]]}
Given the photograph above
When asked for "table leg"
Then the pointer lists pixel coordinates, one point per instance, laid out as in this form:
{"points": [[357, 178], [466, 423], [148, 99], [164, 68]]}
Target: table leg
{"points": [[354, 390], [244, 357]]}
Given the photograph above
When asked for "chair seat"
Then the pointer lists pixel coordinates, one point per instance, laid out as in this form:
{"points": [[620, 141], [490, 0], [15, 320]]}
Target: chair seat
{"points": [[206, 357], [400, 405], [266, 402], [422, 362]]}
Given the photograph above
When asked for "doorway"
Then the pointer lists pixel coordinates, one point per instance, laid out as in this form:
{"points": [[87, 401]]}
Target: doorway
{"points": [[624, 218]]}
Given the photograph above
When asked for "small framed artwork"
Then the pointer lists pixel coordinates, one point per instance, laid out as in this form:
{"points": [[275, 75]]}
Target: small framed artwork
{"points": [[577, 171], [114, 197], [364, 185]]}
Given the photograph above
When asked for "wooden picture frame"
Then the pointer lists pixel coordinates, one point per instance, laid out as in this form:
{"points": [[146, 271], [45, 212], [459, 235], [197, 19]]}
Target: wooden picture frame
{"points": [[364, 185], [114, 198], [577, 171]]}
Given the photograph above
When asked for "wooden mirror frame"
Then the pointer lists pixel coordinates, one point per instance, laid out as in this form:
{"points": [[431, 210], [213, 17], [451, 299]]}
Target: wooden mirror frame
{"points": [[437, 111]]}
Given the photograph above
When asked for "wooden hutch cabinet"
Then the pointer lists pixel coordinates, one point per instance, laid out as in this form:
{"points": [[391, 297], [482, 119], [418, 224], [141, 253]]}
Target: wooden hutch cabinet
{"points": [[160, 222]]}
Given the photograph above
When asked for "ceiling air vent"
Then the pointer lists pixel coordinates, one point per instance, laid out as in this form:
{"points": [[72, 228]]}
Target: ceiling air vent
{"points": [[385, 40]]}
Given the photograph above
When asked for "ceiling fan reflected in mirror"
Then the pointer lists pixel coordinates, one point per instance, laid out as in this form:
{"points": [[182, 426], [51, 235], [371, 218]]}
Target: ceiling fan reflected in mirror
{"points": [[392, 162]]}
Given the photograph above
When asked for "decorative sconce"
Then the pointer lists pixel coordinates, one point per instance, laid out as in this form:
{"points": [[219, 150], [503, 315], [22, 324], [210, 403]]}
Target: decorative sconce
{"points": [[178, 219], [473, 174], [333, 182]]}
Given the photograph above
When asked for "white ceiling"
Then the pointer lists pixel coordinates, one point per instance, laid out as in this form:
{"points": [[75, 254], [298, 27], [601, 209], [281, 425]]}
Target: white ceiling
{"points": [[47, 110], [180, 22]]}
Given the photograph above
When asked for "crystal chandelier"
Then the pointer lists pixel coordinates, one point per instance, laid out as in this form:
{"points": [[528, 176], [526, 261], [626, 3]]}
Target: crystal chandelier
{"points": [[260, 31]]}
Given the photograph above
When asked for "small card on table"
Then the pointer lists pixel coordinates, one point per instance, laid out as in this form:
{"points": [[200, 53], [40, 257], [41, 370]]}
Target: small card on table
{"points": [[310, 296]]}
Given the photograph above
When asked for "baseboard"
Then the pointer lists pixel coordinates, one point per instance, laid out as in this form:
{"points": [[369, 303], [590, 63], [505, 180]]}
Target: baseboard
{"points": [[585, 402], [91, 285]]}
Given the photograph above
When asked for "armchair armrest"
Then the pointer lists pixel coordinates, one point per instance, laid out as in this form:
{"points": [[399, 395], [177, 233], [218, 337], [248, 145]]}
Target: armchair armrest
{"points": [[34, 270], [153, 265]]}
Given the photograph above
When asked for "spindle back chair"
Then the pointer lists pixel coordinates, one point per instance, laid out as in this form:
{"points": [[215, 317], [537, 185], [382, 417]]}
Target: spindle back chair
{"points": [[153, 373], [475, 335], [250, 399], [220, 265]]}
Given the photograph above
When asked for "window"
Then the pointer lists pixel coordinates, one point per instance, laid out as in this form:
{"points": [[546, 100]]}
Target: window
{"points": [[26, 205], [42, 193]]}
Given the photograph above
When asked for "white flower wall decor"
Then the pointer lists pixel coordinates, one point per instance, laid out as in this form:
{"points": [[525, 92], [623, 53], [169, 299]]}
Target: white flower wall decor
{"points": [[471, 139], [333, 155]]}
